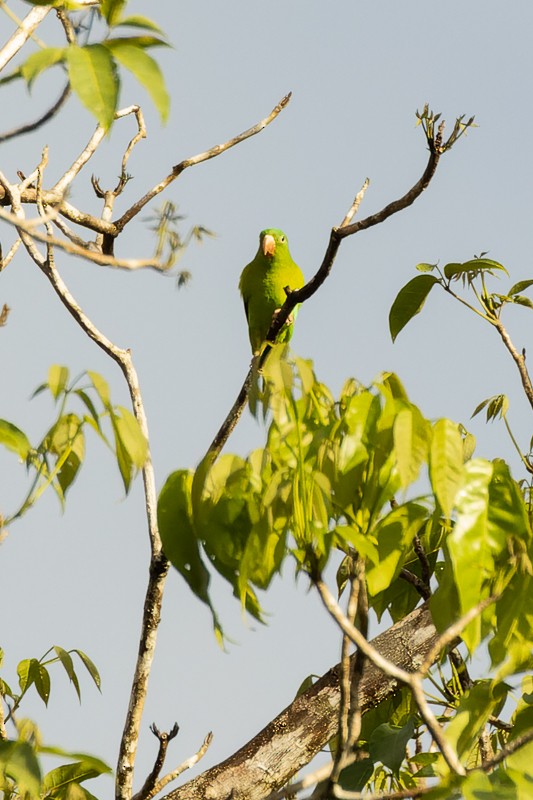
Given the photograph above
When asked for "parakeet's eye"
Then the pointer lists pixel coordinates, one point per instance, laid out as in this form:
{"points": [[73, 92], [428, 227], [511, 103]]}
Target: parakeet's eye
{"points": [[282, 238]]}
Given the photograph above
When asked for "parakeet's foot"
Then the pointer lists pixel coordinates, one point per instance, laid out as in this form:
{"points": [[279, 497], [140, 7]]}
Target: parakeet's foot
{"points": [[288, 321]]}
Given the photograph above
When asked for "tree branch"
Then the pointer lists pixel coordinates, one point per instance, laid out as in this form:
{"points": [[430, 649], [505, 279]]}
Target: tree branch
{"points": [[198, 159], [518, 358], [32, 126], [25, 29], [295, 736], [436, 148]]}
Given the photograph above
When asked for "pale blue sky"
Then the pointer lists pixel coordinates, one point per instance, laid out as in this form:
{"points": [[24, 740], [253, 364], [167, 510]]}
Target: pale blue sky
{"points": [[358, 71]]}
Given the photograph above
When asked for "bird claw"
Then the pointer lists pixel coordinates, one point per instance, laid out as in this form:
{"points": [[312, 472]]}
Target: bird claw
{"points": [[288, 321]]}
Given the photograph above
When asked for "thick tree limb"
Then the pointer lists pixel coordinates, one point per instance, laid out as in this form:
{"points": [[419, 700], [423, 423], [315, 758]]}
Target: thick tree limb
{"points": [[296, 735]]}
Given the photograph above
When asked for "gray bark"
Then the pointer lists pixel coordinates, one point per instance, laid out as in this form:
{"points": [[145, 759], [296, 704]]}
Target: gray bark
{"points": [[295, 736]]}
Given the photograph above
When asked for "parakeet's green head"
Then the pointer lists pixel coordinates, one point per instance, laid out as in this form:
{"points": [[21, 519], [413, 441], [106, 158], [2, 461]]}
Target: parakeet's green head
{"points": [[273, 242]]}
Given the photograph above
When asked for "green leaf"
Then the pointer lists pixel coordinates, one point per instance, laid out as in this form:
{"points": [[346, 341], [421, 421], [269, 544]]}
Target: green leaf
{"points": [[139, 21], [57, 780], [519, 287], [521, 300], [470, 542], [446, 463], [472, 714], [424, 267], [355, 777], [90, 667], [101, 386], [409, 302], [180, 545], [132, 437], [14, 439], [475, 265], [66, 660], [12, 76], [93, 77], [24, 672], [388, 742], [42, 681], [145, 69], [480, 407], [18, 760], [411, 443], [111, 10], [41, 60], [86, 400], [57, 380], [394, 536]]}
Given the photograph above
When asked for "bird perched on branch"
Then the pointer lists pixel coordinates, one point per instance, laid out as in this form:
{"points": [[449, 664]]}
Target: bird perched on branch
{"points": [[262, 286]]}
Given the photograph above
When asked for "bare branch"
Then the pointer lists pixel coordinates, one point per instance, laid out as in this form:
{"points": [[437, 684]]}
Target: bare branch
{"points": [[26, 28], [335, 611], [518, 358], [352, 211], [453, 632], [448, 752], [205, 156], [164, 740], [344, 230], [74, 249], [185, 765], [37, 123], [4, 260], [232, 418]]}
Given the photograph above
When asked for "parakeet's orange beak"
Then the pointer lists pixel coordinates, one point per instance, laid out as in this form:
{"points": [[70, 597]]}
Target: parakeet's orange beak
{"points": [[269, 245]]}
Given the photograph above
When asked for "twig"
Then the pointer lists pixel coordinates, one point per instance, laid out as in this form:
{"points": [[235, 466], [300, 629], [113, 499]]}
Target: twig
{"points": [[232, 418], [454, 631], [75, 249], [450, 756], [185, 765], [384, 664], [436, 148], [48, 115], [352, 211], [198, 159], [164, 740], [4, 260], [422, 557], [417, 582], [30, 22], [518, 358]]}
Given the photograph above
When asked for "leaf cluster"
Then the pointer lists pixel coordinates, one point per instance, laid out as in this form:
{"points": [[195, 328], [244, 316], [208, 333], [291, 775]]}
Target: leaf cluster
{"points": [[58, 457], [93, 69], [21, 774]]}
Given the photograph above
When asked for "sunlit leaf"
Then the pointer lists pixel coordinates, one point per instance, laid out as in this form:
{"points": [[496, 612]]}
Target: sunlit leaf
{"points": [[446, 462], [409, 302], [146, 70], [14, 439], [19, 761], [40, 61], [93, 77]]}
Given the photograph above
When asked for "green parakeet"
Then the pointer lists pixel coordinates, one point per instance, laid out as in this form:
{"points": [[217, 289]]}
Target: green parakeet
{"points": [[263, 283]]}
